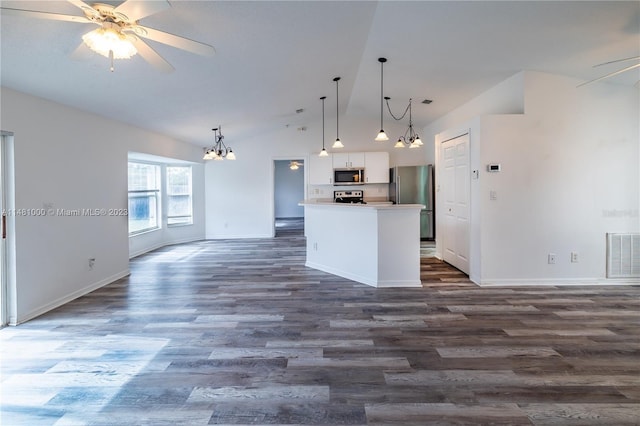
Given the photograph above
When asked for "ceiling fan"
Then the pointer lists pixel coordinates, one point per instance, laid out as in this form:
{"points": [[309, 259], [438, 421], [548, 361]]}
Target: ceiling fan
{"points": [[611, 74], [119, 35]]}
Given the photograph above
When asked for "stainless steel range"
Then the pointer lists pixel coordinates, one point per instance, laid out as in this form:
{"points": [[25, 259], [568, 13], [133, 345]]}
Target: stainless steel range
{"points": [[352, 197]]}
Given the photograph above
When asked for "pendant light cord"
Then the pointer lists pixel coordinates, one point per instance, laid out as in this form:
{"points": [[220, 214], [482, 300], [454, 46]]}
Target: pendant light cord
{"points": [[403, 114], [323, 98], [337, 120], [381, 89]]}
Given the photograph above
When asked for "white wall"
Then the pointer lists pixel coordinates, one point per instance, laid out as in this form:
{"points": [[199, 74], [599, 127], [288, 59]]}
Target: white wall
{"points": [[569, 175], [69, 159]]}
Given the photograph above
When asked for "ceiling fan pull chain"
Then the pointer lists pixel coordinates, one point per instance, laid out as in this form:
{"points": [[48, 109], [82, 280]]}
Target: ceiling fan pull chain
{"points": [[111, 59]]}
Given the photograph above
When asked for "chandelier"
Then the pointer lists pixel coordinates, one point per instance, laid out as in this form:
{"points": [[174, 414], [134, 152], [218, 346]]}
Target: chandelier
{"points": [[410, 137], [219, 150]]}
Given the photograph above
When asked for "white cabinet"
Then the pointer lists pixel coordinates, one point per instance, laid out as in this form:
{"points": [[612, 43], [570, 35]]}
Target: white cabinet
{"points": [[376, 167], [348, 160], [320, 170]]}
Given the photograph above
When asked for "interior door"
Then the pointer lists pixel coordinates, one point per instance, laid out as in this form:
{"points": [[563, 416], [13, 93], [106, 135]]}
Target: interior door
{"points": [[455, 187]]}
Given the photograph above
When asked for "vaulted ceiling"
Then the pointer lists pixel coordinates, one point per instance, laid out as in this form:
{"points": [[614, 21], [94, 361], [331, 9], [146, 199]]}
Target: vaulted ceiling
{"points": [[274, 57]]}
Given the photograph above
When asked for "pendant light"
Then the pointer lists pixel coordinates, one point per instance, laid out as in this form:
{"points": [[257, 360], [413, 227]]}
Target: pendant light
{"points": [[324, 152], [337, 143], [382, 136]]}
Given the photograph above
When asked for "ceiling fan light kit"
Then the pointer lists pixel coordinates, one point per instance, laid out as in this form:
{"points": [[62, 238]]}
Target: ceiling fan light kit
{"points": [[109, 41]]}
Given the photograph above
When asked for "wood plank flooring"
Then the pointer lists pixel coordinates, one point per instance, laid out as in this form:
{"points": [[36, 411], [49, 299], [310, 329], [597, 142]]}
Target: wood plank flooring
{"points": [[240, 332]]}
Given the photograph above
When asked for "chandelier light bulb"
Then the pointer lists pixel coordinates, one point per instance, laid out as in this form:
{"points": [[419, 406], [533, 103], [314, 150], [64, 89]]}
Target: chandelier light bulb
{"points": [[231, 155], [399, 144]]}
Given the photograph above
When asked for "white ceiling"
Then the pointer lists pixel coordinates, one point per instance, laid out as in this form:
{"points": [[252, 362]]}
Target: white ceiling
{"points": [[274, 57]]}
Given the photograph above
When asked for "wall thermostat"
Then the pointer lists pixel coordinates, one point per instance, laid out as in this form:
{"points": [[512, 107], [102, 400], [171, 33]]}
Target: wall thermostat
{"points": [[493, 167]]}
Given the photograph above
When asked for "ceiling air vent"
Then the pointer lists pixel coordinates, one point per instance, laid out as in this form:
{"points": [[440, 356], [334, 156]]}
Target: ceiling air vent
{"points": [[623, 255]]}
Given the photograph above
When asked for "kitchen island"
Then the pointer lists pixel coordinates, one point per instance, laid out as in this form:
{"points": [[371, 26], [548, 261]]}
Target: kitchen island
{"points": [[373, 244]]}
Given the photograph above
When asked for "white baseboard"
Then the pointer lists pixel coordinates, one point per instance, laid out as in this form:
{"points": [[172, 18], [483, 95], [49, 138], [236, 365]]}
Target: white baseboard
{"points": [[163, 244], [68, 298], [363, 280], [556, 282]]}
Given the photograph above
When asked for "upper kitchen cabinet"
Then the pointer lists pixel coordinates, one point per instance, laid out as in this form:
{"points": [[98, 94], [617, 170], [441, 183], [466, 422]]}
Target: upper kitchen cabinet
{"points": [[348, 160], [320, 170], [376, 167]]}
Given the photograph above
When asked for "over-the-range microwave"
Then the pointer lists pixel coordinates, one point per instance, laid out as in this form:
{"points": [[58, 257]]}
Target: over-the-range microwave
{"points": [[348, 176]]}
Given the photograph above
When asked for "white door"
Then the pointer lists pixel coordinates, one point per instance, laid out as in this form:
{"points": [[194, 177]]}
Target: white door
{"points": [[455, 187]]}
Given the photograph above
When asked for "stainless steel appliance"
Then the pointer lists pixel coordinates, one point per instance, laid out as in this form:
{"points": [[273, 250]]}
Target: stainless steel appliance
{"points": [[353, 197], [414, 185], [348, 176]]}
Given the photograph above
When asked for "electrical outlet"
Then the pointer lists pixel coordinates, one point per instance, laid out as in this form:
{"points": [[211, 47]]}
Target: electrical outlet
{"points": [[551, 259], [574, 257]]}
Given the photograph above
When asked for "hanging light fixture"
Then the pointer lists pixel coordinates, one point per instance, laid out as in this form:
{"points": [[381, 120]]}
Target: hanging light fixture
{"points": [[410, 137], [337, 143], [295, 165], [324, 152], [219, 151], [382, 136]]}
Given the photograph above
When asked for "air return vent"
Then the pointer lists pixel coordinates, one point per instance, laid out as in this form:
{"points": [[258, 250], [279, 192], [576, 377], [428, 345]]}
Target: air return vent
{"points": [[623, 255]]}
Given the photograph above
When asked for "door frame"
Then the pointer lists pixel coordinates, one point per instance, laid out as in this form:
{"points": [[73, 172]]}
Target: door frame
{"points": [[8, 289], [305, 159], [440, 214]]}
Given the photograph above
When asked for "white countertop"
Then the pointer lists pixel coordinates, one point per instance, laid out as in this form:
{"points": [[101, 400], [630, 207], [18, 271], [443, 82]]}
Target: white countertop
{"points": [[369, 205]]}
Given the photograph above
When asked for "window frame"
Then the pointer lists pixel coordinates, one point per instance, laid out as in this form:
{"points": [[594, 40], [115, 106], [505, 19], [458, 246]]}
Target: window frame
{"points": [[167, 195], [156, 193]]}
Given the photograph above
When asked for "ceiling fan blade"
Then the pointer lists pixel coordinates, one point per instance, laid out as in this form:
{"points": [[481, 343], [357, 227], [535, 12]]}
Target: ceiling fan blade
{"points": [[85, 8], [174, 40], [151, 56], [633, 58], [136, 9], [44, 15], [611, 74]]}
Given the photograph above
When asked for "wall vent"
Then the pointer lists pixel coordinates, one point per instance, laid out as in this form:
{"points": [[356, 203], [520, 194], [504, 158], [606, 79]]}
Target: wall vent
{"points": [[623, 255]]}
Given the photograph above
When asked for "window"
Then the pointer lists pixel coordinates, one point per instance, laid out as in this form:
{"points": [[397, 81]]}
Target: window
{"points": [[179, 203], [144, 197]]}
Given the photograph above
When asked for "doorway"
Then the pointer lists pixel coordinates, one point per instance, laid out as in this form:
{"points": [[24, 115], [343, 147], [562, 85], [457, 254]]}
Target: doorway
{"points": [[454, 160], [288, 193], [6, 225]]}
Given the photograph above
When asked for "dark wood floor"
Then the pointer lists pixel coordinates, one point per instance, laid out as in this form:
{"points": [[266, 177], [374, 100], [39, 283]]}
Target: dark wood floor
{"points": [[240, 332]]}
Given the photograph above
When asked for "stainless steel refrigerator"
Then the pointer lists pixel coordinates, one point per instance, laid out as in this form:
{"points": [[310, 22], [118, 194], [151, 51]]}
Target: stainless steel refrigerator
{"points": [[414, 185]]}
